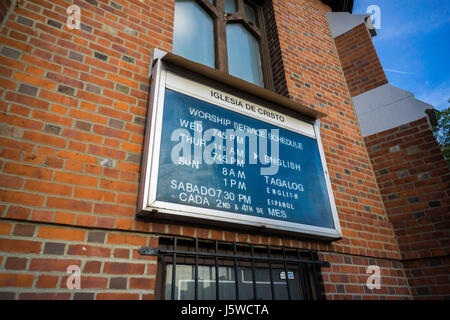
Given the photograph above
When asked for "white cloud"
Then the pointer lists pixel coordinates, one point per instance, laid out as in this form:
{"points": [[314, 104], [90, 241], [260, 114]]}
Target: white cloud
{"points": [[437, 97], [397, 71]]}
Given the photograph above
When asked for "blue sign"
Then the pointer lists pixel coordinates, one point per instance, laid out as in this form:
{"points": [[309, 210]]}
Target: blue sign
{"points": [[200, 165]]}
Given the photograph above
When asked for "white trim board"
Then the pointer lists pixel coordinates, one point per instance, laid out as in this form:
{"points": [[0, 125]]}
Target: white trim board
{"points": [[387, 107]]}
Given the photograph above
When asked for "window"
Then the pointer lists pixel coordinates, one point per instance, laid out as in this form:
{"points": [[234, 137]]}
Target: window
{"points": [[226, 34], [245, 272], [194, 33]]}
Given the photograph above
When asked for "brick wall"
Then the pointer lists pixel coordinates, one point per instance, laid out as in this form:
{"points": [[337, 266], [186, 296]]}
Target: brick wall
{"points": [[72, 112], [359, 59], [73, 108], [279, 77], [347, 276], [414, 180], [34, 259], [429, 278]]}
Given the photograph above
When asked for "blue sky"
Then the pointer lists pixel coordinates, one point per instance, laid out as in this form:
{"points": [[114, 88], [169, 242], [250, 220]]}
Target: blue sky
{"points": [[414, 46]]}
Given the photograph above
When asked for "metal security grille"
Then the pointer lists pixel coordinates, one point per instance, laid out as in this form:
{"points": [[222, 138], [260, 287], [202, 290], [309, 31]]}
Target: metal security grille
{"points": [[290, 273]]}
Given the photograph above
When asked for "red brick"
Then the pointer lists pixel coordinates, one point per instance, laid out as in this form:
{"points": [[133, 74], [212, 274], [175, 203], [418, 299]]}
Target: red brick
{"points": [[10, 154], [42, 265], [117, 296], [123, 268], [21, 198], [20, 122], [142, 283], [53, 118], [12, 63], [70, 234], [15, 212], [7, 84], [126, 239], [22, 77], [44, 139], [28, 171], [14, 263], [88, 116], [4, 142], [45, 187], [105, 131], [77, 179], [92, 267], [64, 218], [42, 215], [82, 136], [85, 220], [41, 63], [47, 282], [44, 296], [76, 156], [69, 204], [121, 253], [94, 194], [10, 182], [103, 208], [118, 186], [20, 246], [16, 280], [94, 98], [115, 113], [85, 250], [106, 152], [59, 98], [5, 228]]}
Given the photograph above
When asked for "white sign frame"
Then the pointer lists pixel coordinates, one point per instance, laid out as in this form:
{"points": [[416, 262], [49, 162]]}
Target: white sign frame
{"points": [[148, 206]]}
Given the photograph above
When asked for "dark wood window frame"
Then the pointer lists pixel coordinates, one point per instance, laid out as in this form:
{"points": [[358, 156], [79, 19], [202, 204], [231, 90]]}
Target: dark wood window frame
{"points": [[221, 19]]}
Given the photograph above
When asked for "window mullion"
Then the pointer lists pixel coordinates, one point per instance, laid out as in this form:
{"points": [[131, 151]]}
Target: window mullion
{"points": [[240, 9], [221, 38], [174, 269], [235, 17], [209, 8]]}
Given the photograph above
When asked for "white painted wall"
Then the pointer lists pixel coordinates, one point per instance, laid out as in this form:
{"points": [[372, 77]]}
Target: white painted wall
{"points": [[341, 22], [387, 107]]}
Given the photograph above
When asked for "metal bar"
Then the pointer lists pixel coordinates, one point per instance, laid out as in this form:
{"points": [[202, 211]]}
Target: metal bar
{"points": [[255, 295], [217, 271], [286, 274], [308, 284], [302, 278], [174, 268], [236, 273], [196, 269], [231, 257], [316, 280], [272, 288]]}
